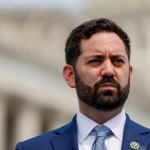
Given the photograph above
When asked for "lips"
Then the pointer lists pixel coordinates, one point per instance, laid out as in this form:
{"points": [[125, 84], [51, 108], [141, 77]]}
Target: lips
{"points": [[107, 85]]}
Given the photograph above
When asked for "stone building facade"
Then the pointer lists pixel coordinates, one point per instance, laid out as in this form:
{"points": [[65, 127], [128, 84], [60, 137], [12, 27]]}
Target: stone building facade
{"points": [[34, 98]]}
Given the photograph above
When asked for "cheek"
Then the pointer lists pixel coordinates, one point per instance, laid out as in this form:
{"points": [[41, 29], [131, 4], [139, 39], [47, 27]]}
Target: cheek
{"points": [[124, 78], [89, 76]]}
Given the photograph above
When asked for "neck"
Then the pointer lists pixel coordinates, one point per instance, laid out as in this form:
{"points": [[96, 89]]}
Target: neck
{"points": [[96, 115]]}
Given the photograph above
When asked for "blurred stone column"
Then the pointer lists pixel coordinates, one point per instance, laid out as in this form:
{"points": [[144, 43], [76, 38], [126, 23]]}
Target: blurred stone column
{"points": [[28, 123], [3, 123], [59, 119]]}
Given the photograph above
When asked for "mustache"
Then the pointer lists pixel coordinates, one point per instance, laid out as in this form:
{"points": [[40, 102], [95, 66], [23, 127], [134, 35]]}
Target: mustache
{"points": [[106, 80]]}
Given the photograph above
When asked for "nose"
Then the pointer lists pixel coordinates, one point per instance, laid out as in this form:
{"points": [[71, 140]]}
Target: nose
{"points": [[107, 69]]}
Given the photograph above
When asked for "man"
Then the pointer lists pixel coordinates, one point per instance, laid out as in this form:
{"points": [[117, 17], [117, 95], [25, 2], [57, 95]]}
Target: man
{"points": [[98, 67]]}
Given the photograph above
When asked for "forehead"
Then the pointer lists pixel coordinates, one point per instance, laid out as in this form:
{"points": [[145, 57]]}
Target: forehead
{"points": [[103, 42]]}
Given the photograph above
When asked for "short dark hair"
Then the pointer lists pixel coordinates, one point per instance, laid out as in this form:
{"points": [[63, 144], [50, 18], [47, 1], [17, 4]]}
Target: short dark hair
{"points": [[85, 31]]}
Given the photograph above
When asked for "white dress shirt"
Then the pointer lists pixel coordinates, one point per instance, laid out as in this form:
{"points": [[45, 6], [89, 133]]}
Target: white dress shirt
{"points": [[86, 138]]}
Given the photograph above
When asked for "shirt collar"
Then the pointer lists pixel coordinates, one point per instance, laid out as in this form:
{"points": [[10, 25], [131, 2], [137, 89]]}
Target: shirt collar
{"points": [[116, 124], [86, 125]]}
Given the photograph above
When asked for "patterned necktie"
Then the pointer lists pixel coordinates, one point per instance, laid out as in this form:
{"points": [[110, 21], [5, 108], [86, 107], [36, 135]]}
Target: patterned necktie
{"points": [[101, 133]]}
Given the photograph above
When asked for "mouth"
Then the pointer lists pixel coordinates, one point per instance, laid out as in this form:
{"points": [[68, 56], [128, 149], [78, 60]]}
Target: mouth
{"points": [[109, 85], [108, 89]]}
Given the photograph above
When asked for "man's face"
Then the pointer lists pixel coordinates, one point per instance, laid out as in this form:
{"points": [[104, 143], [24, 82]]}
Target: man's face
{"points": [[102, 72]]}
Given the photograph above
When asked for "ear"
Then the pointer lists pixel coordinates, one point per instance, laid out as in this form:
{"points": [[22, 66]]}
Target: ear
{"points": [[131, 74], [68, 74]]}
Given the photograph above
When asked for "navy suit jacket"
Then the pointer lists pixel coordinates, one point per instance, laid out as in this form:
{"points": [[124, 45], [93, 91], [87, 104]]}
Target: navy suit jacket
{"points": [[65, 138]]}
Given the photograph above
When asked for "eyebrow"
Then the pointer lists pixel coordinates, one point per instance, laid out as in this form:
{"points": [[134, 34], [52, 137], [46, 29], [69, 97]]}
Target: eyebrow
{"points": [[117, 56], [95, 56], [99, 56]]}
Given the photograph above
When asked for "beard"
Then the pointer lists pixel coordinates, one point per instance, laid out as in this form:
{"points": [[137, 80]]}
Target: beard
{"points": [[102, 99]]}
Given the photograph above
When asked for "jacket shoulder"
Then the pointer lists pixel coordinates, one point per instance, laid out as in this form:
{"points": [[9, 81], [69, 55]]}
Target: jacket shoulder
{"points": [[138, 127], [42, 141], [135, 132]]}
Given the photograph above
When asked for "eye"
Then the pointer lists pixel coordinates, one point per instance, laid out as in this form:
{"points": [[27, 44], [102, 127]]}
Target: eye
{"points": [[93, 61], [118, 61]]}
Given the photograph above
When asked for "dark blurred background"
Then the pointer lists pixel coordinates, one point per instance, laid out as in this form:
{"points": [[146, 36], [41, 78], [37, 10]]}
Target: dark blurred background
{"points": [[34, 97]]}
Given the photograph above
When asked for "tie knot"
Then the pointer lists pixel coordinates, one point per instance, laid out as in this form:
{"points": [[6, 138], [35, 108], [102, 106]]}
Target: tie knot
{"points": [[102, 131]]}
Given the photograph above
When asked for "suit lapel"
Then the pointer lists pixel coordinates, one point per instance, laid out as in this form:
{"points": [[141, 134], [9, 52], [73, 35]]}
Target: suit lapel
{"points": [[67, 138], [135, 136]]}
